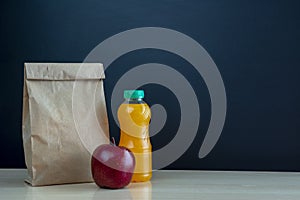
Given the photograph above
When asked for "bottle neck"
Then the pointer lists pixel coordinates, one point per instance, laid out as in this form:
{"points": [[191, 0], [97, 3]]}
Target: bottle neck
{"points": [[134, 101]]}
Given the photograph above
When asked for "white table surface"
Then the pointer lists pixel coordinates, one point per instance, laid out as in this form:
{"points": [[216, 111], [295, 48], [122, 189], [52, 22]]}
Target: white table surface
{"points": [[165, 185]]}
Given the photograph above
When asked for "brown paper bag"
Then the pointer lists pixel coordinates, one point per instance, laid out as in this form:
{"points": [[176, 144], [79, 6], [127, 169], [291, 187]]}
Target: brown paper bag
{"points": [[64, 120]]}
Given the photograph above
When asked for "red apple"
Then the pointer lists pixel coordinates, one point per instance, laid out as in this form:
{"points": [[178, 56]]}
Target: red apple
{"points": [[112, 166]]}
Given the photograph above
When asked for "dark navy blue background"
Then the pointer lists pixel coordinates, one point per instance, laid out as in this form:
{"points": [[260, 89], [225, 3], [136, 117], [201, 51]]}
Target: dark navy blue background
{"points": [[255, 45]]}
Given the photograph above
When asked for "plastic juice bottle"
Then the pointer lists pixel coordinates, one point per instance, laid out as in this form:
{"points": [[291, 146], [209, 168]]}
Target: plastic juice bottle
{"points": [[134, 117]]}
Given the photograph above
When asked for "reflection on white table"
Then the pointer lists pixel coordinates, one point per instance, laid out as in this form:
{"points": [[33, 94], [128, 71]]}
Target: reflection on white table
{"points": [[165, 185]]}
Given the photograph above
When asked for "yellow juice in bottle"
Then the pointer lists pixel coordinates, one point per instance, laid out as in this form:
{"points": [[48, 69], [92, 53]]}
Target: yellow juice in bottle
{"points": [[134, 118]]}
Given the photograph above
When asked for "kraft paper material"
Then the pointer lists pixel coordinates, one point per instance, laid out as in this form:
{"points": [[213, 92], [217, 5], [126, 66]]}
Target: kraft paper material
{"points": [[64, 120]]}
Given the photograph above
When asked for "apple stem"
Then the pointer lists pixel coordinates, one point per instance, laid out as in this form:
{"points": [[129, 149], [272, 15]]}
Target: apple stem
{"points": [[113, 140]]}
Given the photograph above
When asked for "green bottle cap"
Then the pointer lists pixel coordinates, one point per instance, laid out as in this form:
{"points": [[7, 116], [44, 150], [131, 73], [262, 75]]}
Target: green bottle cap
{"points": [[133, 94]]}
